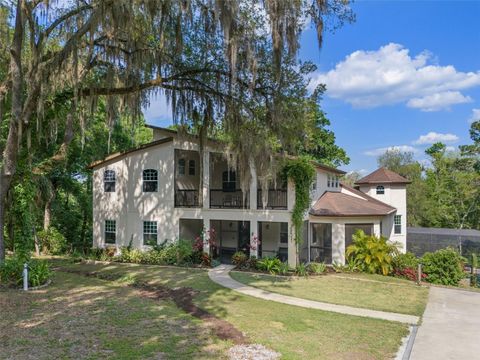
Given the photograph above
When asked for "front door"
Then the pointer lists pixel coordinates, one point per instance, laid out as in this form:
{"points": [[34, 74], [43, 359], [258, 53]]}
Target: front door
{"points": [[351, 228], [244, 236]]}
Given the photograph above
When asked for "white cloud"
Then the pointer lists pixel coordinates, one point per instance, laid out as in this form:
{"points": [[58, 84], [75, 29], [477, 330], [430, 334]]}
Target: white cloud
{"points": [[380, 151], [390, 75], [433, 137], [475, 115], [439, 101], [450, 148]]}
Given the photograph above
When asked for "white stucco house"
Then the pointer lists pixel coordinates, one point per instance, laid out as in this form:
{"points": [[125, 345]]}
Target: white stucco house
{"points": [[151, 194]]}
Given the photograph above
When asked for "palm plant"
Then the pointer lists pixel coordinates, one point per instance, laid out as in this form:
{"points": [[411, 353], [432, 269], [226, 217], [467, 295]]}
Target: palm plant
{"points": [[372, 254]]}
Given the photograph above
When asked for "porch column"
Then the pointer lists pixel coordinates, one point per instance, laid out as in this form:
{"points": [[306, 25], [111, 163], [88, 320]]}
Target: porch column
{"points": [[292, 247], [206, 229], [338, 243], [254, 239], [253, 186], [376, 228], [205, 192]]}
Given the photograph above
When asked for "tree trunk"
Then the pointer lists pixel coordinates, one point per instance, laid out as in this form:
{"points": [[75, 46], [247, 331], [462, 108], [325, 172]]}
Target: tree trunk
{"points": [[11, 147], [47, 213]]}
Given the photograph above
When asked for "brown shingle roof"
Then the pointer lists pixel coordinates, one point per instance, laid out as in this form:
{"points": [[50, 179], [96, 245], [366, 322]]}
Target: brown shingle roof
{"points": [[340, 204], [383, 176]]}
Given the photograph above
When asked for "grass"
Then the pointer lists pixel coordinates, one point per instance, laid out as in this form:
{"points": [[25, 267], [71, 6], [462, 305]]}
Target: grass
{"points": [[360, 290], [80, 317]]}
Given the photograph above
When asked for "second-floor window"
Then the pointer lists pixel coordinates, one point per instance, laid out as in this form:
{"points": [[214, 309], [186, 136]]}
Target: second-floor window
{"points": [[181, 167], [229, 180], [191, 167], [150, 180], [332, 181], [397, 220], [109, 181], [380, 190]]}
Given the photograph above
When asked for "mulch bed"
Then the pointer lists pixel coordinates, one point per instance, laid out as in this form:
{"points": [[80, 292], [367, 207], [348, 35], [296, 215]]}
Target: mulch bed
{"points": [[183, 299]]}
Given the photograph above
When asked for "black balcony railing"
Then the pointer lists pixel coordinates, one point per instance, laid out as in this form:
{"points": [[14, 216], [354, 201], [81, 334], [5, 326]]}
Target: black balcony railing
{"points": [[277, 199], [235, 199], [186, 198]]}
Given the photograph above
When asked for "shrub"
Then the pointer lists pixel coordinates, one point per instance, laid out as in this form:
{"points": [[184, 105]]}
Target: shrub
{"points": [[372, 254], [239, 259], [316, 268], [283, 268], [443, 266], [252, 263], [409, 273], [404, 261], [11, 272], [270, 265], [301, 270], [52, 241]]}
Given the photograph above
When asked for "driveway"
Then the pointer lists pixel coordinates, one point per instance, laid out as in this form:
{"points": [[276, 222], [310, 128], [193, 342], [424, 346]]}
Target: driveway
{"points": [[450, 326]]}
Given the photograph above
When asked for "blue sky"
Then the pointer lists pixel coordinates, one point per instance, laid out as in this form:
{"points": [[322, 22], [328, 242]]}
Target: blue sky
{"points": [[405, 74]]}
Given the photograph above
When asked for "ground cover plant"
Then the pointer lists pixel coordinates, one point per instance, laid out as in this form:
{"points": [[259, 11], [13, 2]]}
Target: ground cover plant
{"points": [[11, 272]]}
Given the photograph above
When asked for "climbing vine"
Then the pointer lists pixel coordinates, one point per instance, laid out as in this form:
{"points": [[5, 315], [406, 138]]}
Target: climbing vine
{"points": [[302, 173]]}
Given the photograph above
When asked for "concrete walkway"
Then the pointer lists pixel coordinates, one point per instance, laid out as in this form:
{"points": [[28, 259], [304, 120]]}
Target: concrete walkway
{"points": [[220, 275], [450, 326]]}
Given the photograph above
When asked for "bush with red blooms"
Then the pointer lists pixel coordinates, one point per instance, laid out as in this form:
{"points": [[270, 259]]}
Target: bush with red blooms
{"points": [[408, 273]]}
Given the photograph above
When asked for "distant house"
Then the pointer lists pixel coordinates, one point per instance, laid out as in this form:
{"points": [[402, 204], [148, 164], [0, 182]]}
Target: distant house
{"points": [[151, 194], [422, 240]]}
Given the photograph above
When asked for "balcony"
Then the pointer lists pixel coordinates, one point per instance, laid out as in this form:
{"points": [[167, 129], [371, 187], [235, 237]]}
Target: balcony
{"points": [[235, 199], [277, 199], [186, 198]]}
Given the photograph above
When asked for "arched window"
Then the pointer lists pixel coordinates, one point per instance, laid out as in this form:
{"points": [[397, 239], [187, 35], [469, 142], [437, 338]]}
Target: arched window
{"points": [[380, 190], [181, 167], [229, 181], [150, 180], [191, 167], [109, 181]]}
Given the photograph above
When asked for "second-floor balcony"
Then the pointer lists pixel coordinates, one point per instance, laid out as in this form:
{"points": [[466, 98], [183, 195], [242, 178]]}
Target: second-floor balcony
{"points": [[186, 198], [232, 199], [276, 200]]}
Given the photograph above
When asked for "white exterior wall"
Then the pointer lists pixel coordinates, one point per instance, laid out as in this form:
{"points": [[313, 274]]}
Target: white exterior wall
{"points": [[396, 196]]}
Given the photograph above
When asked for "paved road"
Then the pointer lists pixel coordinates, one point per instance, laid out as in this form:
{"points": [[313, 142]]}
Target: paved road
{"points": [[449, 327], [220, 275]]}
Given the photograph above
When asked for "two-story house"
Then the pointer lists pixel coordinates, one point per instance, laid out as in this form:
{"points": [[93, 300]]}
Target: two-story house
{"points": [[152, 194]]}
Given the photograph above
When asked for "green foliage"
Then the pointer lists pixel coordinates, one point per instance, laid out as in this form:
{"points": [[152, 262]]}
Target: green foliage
{"points": [[443, 267], [271, 265], [301, 270], [52, 241], [372, 254], [11, 272], [317, 268], [403, 261], [239, 259], [302, 173]]}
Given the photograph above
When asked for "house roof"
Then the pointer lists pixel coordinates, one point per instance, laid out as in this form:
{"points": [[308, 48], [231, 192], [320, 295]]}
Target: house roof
{"points": [[340, 204], [117, 155], [383, 176], [315, 163], [441, 231]]}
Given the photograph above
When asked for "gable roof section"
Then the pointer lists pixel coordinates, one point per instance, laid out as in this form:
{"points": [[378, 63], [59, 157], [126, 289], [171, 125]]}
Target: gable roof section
{"points": [[344, 205], [118, 155], [383, 176]]}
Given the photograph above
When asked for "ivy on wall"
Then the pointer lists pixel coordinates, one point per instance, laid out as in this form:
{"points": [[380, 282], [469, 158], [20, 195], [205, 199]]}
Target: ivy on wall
{"points": [[302, 172]]}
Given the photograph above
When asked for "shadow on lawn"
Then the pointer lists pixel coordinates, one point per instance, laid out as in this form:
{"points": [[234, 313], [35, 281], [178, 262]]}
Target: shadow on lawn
{"points": [[80, 317]]}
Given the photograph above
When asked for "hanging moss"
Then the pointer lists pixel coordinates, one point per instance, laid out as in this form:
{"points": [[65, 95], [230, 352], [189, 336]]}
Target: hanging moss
{"points": [[302, 173]]}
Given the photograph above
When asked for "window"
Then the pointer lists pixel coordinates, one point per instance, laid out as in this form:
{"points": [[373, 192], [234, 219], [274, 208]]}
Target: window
{"points": [[284, 233], [336, 181], [328, 180], [110, 231], [150, 233], [150, 180], [380, 190], [397, 220], [181, 167], [109, 181], [191, 167], [229, 180], [321, 244]]}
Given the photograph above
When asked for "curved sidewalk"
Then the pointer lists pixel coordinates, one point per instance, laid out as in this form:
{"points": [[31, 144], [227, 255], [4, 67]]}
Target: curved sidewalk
{"points": [[220, 275]]}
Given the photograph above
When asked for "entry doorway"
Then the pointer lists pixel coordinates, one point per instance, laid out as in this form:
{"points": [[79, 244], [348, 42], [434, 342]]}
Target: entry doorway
{"points": [[350, 229], [231, 236]]}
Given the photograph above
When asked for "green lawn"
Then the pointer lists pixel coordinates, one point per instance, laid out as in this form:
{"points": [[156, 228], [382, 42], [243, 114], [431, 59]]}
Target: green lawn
{"points": [[361, 290], [83, 317]]}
